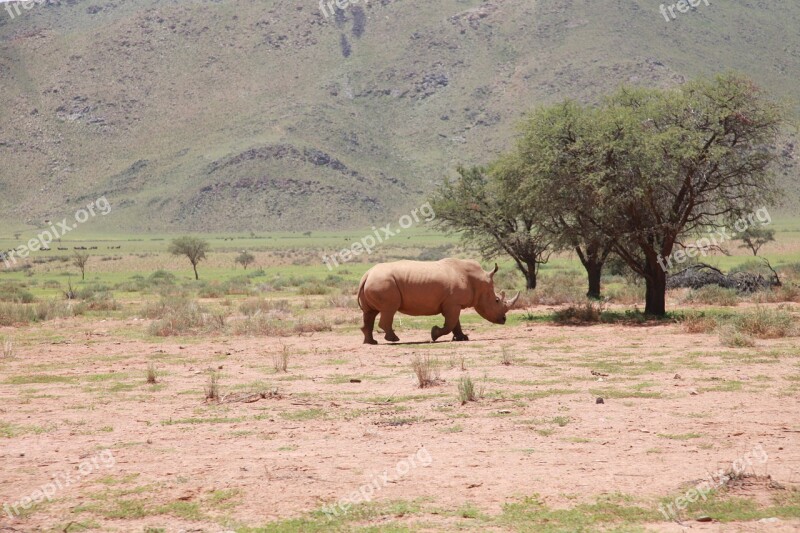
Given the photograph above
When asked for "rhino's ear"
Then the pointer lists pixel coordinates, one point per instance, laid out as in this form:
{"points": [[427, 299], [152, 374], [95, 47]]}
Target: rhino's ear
{"points": [[493, 272]]}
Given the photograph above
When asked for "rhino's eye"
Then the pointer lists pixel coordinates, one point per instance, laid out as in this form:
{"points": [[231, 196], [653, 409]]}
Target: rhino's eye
{"points": [[497, 300]]}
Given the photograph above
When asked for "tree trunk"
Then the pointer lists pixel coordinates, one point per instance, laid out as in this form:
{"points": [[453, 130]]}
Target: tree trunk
{"points": [[655, 299], [530, 276], [595, 271], [196, 275]]}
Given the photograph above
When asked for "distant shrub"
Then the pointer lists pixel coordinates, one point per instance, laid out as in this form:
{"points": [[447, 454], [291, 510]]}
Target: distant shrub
{"points": [[311, 325], [589, 311], [10, 292], [213, 290], [52, 309], [712, 295], [313, 288], [729, 336], [343, 301], [626, 293], [162, 276], [436, 253], [784, 293], [179, 316], [262, 325], [765, 323], [556, 289], [253, 306], [698, 323], [12, 314]]}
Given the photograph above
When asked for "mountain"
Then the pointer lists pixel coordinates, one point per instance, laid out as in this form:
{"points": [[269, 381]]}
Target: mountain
{"points": [[236, 115]]}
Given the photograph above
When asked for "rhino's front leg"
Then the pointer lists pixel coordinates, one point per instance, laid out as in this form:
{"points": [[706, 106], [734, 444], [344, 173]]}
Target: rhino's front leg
{"points": [[450, 322], [459, 335]]}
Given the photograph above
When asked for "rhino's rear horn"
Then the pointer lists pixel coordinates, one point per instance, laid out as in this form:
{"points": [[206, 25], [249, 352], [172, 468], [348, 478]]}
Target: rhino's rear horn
{"points": [[512, 301]]}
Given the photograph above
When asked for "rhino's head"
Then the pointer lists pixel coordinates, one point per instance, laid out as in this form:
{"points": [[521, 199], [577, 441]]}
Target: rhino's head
{"points": [[490, 305]]}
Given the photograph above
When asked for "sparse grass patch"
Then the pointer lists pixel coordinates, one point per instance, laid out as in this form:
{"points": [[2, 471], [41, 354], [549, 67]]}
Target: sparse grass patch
{"points": [[307, 414], [679, 436]]}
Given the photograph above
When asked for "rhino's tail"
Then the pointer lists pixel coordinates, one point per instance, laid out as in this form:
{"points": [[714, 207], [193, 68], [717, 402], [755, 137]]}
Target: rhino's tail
{"points": [[360, 296]]}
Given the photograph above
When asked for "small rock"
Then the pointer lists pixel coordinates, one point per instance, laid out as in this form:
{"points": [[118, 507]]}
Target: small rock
{"points": [[677, 376], [704, 518], [772, 520], [693, 392], [599, 400], [355, 381]]}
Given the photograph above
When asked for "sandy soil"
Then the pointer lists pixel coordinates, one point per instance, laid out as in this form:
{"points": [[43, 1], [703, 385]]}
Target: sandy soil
{"points": [[676, 407]]}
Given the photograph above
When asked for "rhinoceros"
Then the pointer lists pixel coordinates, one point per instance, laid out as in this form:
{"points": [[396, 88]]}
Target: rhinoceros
{"points": [[420, 288]]}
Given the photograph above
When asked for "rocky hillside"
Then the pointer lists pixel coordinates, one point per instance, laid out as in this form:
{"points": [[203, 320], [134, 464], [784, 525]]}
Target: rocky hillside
{"points": [[240, 115]]}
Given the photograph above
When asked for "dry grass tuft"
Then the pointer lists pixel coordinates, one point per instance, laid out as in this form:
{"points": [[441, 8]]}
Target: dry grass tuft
{"points": [[588, 312], [212, 388], [7, 344], [426, 368], [152, 377], [281, 360]]}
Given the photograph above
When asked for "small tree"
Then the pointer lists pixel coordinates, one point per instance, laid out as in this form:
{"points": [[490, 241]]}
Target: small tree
{"points": [[553, 153], [484, 207], [79, 260], [192, 247], [754, 238], [245, 259]]}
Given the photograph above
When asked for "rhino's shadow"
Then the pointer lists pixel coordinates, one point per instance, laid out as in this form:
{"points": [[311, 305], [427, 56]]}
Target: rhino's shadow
{"points": [[472, 341]]}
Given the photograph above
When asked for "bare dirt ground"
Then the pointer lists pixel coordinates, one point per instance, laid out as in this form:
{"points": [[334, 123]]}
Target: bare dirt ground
{"points": [[677, 406]]}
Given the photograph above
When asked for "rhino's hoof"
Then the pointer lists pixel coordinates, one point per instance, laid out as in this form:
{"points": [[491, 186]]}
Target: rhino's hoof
{"points": [[391, 337], [370, 341], [461, 338], [434, 333]]}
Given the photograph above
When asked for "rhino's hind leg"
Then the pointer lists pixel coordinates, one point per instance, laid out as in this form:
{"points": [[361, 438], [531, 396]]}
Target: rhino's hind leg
{"points": [[458, 335], [369, 326], [387, 318]]}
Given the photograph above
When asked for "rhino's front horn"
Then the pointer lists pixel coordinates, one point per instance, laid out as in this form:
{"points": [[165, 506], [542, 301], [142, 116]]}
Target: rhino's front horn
{"points": [[493, 272], [513, 300]]}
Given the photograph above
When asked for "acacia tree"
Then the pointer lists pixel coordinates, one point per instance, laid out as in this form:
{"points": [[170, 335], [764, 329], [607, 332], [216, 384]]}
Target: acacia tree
{"points": [[554, 153], [245, 259], [192, 247], [672, 163], [754, 238], [482, 205]]}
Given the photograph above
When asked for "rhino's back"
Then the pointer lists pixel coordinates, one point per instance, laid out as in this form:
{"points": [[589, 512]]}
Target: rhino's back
{"points": [[419, 287]]}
